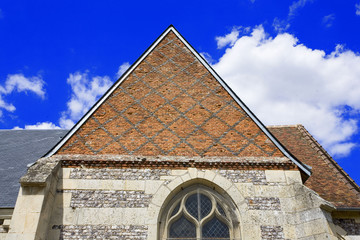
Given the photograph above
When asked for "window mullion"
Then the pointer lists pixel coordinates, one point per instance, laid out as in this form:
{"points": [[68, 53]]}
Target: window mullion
{"points": [[199, 217]]}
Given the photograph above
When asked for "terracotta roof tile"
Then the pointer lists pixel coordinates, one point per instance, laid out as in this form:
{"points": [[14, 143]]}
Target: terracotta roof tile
{"points": [[170, 104], [328, 179]]}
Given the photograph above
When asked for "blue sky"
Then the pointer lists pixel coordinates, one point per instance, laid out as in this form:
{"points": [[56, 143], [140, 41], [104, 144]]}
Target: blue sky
{"points": [[289, 61]]}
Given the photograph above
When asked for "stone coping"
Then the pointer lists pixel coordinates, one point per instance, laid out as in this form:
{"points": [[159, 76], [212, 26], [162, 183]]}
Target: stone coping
{"points": [[38, 173], [139, 158]]}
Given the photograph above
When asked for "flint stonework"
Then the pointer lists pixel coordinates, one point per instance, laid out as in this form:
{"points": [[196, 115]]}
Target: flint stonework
{"points": [[133, 232], [119, 174], [109, 199]]}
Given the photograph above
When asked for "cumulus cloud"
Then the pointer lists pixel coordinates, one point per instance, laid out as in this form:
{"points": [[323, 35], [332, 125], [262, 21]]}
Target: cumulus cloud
{"points": [[285, 82], [39, 126], [85, 92], [328, 20], [228, 39], [357, 7], [123, 67], [19, 83]]}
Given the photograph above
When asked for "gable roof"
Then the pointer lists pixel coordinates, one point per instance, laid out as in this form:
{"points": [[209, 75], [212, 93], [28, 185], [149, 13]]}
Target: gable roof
{"points": [[18, 148], [328, 179], [171, 102]]}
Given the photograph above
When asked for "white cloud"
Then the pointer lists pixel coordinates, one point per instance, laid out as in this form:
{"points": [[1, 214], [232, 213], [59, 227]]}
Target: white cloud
{"points": [[39, 126], [328, 20], [228, 39], [297, 5], [19, 83], [357, 7], [85, 92], [285, 82], [207, 57], [123, 67], [280, 25]]}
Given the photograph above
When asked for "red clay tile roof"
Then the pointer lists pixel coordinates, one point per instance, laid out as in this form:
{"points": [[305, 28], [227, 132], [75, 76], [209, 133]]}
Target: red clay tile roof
{"points": [[170, 104], [328, 179]]}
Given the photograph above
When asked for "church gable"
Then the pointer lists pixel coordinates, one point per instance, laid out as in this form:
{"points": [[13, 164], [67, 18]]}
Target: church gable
{"points": [[170, 104]]}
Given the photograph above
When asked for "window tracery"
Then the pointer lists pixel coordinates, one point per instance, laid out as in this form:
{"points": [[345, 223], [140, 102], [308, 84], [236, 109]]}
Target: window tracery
{"points": [[197, 213]]}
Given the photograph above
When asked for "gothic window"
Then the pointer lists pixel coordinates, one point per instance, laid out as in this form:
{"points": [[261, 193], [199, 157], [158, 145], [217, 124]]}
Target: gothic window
{"points": [[197, 213]]}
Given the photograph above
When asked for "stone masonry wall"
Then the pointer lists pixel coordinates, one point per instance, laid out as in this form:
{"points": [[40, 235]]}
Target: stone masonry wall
{"points": [[109, 199], [349, 225], [120, 203], [119, 174], [263, 203], [272, 232], [243, 176], [132, 232]]}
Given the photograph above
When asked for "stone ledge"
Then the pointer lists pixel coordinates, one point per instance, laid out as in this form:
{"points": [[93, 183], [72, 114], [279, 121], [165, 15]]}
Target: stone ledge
{"points": [[39, 173]]}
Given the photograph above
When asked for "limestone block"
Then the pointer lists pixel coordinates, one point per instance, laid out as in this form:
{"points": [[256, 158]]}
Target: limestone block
{"points": [[209, 175], [293, 177], [275, 176], [288, 204], [66, 173], [167, 178], [222, 182], [251, 232], [192, 172], [111, 216], [152, 215], [152, 232], [178, 172], [151, 186], [68, 216], [31, 222], [246, 189], [160, 196], [289, 231], [17, 223], [237, 197], [186, 177], [175, 183], [2, 236], [201, 174], [268, 218], [134, 185]]}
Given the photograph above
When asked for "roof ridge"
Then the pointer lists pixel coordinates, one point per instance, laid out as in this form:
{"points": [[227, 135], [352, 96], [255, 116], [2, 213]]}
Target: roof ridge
{"points": [[326, 156]]}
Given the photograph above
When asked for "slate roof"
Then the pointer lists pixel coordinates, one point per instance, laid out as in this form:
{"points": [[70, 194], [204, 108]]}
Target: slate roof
{"points": [[18, 148], [328, 179]]}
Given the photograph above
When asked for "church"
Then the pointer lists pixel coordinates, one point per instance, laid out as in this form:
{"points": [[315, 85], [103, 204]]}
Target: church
{"points": [[171, 152]]}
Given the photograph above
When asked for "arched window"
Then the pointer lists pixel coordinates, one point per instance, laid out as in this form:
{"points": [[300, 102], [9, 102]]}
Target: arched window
{"points": [[198, 212]]}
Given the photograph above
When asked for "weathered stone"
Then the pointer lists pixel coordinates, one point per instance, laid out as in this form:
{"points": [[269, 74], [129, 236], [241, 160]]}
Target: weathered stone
{"points": [[108, 199]]}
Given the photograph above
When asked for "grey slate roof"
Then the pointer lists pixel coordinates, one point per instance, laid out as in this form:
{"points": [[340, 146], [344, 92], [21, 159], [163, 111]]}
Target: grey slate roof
{"points": [[18, 148]]}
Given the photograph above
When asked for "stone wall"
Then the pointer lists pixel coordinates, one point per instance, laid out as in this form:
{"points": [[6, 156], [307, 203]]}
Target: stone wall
{"points": [[349, 225], [271, 204], [69, 232], [272, 232]]}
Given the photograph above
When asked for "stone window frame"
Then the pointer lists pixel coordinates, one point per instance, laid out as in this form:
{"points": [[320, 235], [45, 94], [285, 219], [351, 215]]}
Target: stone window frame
{"points": [[228, 207]]}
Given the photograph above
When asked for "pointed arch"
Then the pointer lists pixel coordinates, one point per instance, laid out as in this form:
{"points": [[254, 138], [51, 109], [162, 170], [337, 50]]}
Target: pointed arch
{"points": [[207, 178]]}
